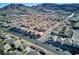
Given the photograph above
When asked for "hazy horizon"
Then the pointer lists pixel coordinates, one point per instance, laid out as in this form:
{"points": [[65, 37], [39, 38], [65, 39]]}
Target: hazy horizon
{"points": [[27, 4]]}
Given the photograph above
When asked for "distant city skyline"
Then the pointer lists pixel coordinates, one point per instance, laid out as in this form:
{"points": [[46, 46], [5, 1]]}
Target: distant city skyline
{"points": [[27, 4]]}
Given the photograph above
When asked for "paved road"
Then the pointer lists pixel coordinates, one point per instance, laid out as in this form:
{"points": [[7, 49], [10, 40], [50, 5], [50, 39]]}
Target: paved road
{"points": [[47, 48]]}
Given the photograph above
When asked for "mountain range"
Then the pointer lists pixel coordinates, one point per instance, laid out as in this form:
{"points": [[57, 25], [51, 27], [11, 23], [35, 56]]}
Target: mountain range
{"points": [[41, 8]]}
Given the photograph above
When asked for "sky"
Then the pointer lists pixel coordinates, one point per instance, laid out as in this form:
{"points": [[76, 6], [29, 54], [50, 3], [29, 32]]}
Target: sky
{"points": [[27, 4]]}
